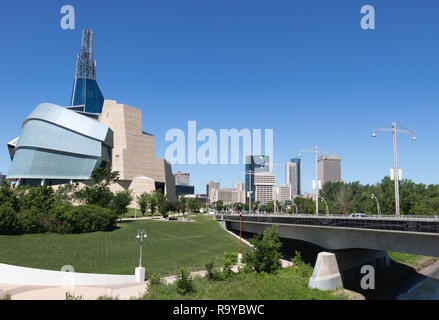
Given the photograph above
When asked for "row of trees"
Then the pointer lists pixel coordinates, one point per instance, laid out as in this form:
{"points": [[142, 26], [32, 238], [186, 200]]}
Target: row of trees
{"points": [[156, 201], [345, 198]]}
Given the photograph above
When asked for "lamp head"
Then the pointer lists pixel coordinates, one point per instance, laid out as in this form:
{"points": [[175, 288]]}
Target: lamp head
{"points": [[414, 138], [374, 135]]}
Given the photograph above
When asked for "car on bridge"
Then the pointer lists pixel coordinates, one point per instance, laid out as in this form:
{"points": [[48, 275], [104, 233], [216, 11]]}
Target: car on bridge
{"points": [[358, 215]]}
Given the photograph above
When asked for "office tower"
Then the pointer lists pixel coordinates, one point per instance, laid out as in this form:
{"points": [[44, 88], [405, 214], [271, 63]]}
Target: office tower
{"points": [[184, 189], [293, 176], [329, 169], [182, 178], [283, 193], [87, 98], [212, 191], [264, 183], [232, 195], [254, 164]]}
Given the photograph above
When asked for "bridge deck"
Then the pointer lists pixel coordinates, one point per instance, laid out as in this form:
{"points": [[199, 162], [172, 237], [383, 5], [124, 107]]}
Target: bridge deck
{"points": [[407, 224]]}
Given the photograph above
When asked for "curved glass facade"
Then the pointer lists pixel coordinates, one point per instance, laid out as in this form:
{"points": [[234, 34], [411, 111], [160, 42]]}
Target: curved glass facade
{"points": [[57, 143]]}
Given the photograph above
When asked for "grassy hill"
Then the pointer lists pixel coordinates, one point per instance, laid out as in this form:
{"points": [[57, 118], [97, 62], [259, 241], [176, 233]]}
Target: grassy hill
{"points": [[170, 245]]}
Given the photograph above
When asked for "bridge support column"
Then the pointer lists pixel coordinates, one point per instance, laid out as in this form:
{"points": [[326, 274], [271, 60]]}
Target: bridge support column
{"points": [[326, 275]]}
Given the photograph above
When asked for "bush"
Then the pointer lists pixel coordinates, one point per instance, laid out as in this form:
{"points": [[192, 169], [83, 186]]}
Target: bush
{"points": [[266, 256], [9, 195], [185, 282], [9, 223], [32, 220], [41, 198], [88, 218]]}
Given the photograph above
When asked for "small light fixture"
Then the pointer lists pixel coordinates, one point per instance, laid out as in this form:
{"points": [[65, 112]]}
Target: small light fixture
{"points": [[374, 135]]}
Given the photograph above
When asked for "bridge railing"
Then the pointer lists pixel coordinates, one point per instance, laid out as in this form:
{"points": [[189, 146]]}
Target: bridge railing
{"points": [[430, 225]]}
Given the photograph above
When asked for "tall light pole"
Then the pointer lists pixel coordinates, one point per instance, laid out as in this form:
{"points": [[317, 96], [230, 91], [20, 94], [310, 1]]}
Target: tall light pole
{"points": [[240, 228], [394, 129], [317, 152], [327, 208], [378, 204], [141, 234]]}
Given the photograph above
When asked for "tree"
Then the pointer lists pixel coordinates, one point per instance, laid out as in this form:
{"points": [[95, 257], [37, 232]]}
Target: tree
{"points": [[144, 201], [266, 254], [104, 176], [120, 202]]}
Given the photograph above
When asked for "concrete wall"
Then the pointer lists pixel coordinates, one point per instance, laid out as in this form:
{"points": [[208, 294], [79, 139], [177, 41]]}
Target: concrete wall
{"points": [[334, 238], [10, 274]]}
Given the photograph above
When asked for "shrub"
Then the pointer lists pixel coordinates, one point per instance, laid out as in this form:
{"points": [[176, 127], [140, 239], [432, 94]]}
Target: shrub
{"points": [[88, 218], [56, 217], [229, 260], [266, 256], [95, 195], [9, 223], [41, 198], [9, 195], [155, 281], [32, 220], [185, 282]]}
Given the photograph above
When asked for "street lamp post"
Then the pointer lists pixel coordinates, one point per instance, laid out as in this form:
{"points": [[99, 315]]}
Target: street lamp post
{"points": [[327, 208], [316, 151], [378, 204], [240, 228], [141, 234], [140, 271], [394, 129]]}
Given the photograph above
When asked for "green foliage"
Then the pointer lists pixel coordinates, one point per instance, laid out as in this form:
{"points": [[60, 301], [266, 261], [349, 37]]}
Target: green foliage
{"points": [[228, 261], [88, 218], [9, 223], [40, 198], [266, 254], [144, 201], [415, 199], [33, 220], [72, 296], [193, 205], [165, 207], [104, 176], [120, 202], [9, 195], [185, 282], [95, 195], [155, 281], [66, 193]]}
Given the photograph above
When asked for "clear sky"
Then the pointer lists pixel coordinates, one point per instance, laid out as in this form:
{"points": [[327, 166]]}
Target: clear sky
{"points": [[303, 68]]}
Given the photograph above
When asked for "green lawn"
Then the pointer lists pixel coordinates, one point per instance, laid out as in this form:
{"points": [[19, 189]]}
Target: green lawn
{"points": [[170, 245], [287, 284], [406, 258]]}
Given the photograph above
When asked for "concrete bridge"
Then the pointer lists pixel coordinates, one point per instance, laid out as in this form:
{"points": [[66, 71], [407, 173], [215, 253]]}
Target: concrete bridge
{"points": [[351, 242]]}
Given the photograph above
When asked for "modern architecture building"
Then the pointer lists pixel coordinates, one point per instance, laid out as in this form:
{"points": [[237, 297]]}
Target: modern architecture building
{"points": [[87, 98], [254, 164], [293, 176], [264, 183], [59, 145], [329, 169], [182, 178]]}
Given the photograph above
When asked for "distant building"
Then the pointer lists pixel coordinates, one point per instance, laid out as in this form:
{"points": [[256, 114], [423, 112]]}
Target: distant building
{"points": [[182, 178], [182, 189], [212, 191], [254, 164], [232, 195], [264, 187], [283, 193], [293, 176], [329, 169]]}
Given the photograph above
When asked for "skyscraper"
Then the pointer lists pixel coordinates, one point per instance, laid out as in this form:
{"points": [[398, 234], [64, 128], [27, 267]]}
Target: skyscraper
{"points": [[254, 164], [182, 178], [293, 176], [212, 191], [87, 98], [329, 169]]}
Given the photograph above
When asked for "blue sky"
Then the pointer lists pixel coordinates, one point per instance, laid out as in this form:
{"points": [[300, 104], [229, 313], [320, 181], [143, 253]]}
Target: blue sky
{"points": [[303, 68]]}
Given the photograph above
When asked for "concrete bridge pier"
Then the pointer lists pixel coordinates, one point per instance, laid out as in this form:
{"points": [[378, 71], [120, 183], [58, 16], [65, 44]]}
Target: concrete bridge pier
{"points": [[334, 268]]}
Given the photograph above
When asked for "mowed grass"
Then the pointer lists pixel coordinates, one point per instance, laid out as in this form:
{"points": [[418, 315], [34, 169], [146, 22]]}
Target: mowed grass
{"points": [[170, 245]]}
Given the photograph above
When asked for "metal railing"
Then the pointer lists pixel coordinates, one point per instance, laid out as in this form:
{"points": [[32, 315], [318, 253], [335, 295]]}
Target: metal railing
{"points": [[391, 223]]}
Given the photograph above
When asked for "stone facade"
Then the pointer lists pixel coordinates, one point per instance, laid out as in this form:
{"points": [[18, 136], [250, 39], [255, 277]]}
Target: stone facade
{"points": [[133, 154]]}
